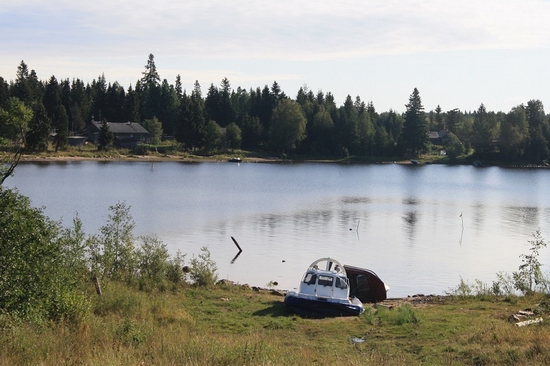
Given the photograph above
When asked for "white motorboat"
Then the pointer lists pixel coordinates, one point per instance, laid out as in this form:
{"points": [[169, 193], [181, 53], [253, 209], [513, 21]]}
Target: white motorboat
{"points": [[324, 291]]}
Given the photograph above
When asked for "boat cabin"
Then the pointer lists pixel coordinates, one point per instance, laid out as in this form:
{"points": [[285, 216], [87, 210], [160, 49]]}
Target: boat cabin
{"points": [[325, 284]]}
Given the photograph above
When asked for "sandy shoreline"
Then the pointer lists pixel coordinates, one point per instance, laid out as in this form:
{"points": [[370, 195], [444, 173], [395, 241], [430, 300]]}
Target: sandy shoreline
{"points": [[138, 158]]}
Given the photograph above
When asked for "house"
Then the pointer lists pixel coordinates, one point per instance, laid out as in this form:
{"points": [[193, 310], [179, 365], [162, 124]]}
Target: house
{"points": [[438, 138], [127, 134]]}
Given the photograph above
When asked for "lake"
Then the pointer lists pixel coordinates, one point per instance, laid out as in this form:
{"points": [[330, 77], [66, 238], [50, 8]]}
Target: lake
{"points": [[419, 227]]}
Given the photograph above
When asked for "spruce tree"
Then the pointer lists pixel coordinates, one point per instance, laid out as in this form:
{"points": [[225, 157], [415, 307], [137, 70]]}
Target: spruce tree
{"points": [[414, 137], [150, 75], [39, 130], [106, 136], [61, 139]]}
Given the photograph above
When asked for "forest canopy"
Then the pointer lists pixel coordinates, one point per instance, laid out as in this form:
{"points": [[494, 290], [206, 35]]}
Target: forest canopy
{"points": [[265, 118]]}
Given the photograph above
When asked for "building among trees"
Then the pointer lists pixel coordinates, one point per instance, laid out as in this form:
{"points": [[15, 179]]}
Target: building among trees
{"points": [[126, 134]]}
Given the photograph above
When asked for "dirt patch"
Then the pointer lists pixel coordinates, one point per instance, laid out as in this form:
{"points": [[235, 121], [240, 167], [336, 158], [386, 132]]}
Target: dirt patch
{"points": [[417, 301]]}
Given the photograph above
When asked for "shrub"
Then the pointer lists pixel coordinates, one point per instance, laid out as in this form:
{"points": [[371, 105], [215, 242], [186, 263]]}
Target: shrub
{"points": [[152, 262], [529, 276], [112, 254], [504, 284], [175, 271], [203, 270], [36, 278], [463, 289]]}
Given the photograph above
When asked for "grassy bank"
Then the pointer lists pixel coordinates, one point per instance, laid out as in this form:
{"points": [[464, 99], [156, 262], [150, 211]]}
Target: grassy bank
{"points": [[171, 152], [235, 325]]}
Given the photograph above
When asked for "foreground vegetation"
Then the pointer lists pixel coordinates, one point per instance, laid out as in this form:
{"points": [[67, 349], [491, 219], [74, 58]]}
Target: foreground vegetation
{"points": [[234, 325]]}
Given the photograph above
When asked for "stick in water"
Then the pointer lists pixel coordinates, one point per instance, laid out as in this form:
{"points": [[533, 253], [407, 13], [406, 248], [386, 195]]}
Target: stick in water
{"points": [[237, 244]]}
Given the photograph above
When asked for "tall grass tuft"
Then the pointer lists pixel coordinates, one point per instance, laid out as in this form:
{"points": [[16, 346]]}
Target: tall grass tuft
{"points": [[401, 315], [369, 316]]}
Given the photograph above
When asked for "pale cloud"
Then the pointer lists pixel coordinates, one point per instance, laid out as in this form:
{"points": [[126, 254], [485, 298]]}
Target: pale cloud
{"points": [[286, 29], [345, 46]]}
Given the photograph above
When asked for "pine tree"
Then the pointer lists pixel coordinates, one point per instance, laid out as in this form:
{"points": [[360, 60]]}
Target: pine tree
{"points": [[226, 109], [414, 137], [178, 87], [106, 136], [346, 127], [150, 75], [39, 130], [439, 121], [453, 120], [61, 140], [537, 149], [483, 131]]}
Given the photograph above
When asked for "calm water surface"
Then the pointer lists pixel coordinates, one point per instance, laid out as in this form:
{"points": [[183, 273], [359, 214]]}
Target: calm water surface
{"points": [[404, 222]]}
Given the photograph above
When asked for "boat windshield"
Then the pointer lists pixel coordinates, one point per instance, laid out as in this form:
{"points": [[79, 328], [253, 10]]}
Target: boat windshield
{"points": [[325, 280], [310, 278]]}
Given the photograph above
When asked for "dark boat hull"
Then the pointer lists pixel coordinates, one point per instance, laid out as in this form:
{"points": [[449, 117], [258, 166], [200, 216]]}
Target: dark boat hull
{"points": [[365, 285], [319, 308]]}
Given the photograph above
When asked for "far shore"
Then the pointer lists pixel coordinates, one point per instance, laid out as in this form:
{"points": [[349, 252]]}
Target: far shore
{"points": [[247, 157], [195, 159], [140, 158]]}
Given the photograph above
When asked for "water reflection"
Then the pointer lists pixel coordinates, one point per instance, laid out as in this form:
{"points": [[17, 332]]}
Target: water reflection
{"points": [[272, 222], [515, 215], [313, 218], [410, 201], [479, 212], [410, 218], [356, 200]]}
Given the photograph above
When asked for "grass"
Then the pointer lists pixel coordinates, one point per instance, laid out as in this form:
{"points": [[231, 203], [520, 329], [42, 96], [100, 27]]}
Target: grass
{"points": [[234, 325]]}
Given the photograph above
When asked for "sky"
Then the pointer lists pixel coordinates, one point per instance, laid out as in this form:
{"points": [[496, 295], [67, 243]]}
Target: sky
{"points": [[458, 54]]}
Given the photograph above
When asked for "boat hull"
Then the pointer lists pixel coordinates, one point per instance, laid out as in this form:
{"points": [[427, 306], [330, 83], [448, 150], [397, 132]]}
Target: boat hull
{"points": [[319, 308], [365, 285]]}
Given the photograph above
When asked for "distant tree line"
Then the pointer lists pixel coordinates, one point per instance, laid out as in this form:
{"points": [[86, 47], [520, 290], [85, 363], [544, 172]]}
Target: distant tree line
{"points": [[267, 119]]}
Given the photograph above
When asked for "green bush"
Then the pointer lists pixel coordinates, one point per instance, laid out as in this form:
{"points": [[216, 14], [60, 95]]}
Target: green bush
{"points": [[36, 279], [463, 289], [529, 276], [153, 263], [175, 272], [113, 254], [203, 270], [45, 268]]}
